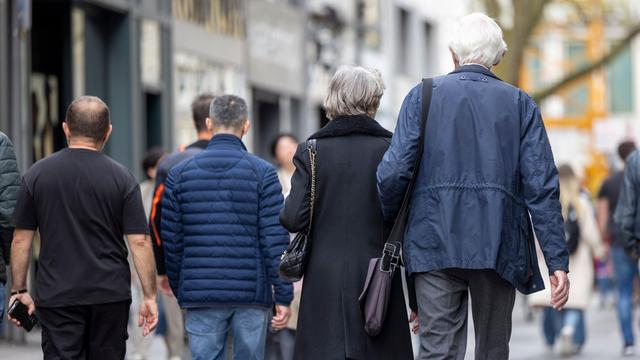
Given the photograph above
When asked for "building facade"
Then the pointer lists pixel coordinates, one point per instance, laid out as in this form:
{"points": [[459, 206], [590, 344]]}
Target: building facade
{"points": [[588, 118], [118, 50], [251, 48], [405, 39], [150, 58]]}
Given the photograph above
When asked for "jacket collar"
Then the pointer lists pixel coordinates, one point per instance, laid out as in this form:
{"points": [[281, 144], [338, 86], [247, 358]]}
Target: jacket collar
{"points": [[352, 125], [200, 144], [476, 69], [226, 140]]}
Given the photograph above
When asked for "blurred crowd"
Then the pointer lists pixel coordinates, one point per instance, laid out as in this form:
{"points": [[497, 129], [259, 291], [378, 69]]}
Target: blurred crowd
{"points": [[598, 261]]}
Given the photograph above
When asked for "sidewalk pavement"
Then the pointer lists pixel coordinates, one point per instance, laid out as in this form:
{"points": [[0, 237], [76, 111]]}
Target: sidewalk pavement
{"points": [[31, 350], [603, 340]]}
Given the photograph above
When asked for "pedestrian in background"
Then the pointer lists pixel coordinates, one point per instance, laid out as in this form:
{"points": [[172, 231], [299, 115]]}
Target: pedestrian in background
{"points": [[487, 172], [625, 268], [199, 114], [83, 203], [280, 343], [283, 149], [348, 229], [584, 244], [223, 241], [627, 214], [9, 186], [172, 312], [141, 343]]}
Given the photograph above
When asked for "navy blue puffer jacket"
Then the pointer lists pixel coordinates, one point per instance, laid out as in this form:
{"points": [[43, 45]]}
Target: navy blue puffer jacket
{"points": [[220, 227]]}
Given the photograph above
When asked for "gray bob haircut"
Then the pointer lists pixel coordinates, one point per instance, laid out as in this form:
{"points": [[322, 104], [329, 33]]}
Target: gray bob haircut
{"points": [[228, 111], [354, 90]]}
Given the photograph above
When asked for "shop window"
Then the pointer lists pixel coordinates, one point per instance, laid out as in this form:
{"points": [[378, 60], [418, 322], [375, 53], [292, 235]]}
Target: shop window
{"points": [[370, 17], [428, 67], [576, 99], [619, 83], [219, 16], [403, 41]]}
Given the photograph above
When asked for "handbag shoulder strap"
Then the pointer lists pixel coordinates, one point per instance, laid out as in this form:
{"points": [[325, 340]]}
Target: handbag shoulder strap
{"points": [[312, 150], [397, 233]]}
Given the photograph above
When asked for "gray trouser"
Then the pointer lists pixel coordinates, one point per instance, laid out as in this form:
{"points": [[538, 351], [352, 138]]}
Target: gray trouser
{"points": [[443, 302], [175, 326]]}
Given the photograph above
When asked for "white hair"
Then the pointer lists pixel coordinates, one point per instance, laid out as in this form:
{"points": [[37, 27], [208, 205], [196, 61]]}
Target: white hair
{"points": [[354, 90], [477, 38]]}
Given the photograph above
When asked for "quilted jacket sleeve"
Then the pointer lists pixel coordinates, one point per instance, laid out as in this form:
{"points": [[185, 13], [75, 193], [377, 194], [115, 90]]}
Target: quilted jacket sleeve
{"points": [[273, 238], [9, 187], [171, 230], [539, 181], [9, 181], [627, 208], [396, 168]]}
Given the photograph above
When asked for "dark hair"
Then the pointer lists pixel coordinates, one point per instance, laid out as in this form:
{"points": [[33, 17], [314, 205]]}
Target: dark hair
{"points": [[151, 158], [276, 141], [625, 149], [566, 172], [89, 117], [228, 112], [200, 111]]}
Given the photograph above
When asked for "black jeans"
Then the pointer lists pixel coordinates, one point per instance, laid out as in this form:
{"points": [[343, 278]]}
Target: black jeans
{"points": [[443, 303], [85, 331]]}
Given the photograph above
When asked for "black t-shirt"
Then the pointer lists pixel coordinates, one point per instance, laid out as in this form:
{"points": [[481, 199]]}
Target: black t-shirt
{"points": [[83, 203], [610, 190]]}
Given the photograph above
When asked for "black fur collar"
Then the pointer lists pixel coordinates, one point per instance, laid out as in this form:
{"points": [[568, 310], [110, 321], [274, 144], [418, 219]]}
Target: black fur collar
{"points": [[352, 125]]}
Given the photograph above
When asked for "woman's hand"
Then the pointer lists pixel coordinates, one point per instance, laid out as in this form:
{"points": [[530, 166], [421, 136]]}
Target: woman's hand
{"points": [[413, 318], [281, 317]]}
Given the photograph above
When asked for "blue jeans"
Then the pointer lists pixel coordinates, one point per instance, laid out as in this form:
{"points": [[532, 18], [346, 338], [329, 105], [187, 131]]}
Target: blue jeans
{"points": [[208, 329], [554, 321], [625, 269]]}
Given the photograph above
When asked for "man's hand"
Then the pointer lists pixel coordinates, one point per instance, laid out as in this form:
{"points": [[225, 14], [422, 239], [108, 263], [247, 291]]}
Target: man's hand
{"points": [[413, 318], [148, 318], [163, 285], [281, 318], [559, 289], [25, 299]]}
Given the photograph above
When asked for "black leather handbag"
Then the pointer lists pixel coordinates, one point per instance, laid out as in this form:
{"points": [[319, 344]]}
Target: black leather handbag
{"points": [[374, 298], [294, 260]]}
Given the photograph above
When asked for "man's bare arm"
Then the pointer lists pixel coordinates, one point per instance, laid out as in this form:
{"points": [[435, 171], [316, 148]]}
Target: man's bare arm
{"points": [[20, 255], [144, 261], [145, 264]]}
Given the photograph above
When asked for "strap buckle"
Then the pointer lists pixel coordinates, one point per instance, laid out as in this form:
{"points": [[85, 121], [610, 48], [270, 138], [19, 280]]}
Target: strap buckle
{"points": [[390, 259]]}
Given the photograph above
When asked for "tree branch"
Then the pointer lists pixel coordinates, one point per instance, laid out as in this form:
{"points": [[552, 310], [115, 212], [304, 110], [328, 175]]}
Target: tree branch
{"points": [[492, 7], [587, 69], [528, 14], [578, 7]]}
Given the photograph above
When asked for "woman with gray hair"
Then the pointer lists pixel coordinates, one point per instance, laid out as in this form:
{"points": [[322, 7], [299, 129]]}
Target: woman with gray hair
{"points": [[348, 228]]}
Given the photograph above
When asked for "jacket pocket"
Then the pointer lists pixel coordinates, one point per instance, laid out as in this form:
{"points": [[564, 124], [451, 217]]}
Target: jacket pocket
{"points": [[526, 250]]}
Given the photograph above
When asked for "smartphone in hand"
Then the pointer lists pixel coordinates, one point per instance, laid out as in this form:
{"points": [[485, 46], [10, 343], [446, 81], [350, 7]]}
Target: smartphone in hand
{"points": [[20, 312]]}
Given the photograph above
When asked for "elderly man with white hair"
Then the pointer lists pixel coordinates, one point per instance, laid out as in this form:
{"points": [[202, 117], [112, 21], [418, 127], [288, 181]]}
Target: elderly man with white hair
{"points": [[485, 181]]}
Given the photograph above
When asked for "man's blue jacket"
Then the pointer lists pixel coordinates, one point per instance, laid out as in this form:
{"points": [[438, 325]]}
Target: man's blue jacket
{"points": [[627, 214], [222, 235], [487, 172]]}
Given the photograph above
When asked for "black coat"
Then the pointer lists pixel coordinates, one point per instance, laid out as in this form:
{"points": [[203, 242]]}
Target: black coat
{"points": [[348, 230]]}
